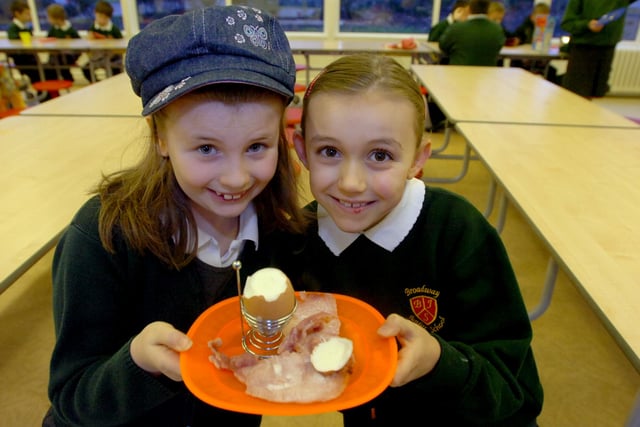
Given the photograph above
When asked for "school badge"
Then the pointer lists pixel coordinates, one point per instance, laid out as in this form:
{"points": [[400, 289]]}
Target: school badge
{"points": [[425, 308]]}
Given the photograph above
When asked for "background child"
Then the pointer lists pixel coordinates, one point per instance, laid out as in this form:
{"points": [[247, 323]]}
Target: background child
{"points": [[476, 41], [26, 63], [61, 28], [496, 12], [524, 35], [153, 249], [459, 13], [592, 45], [524, 32], [103, 28], [424, 257]]}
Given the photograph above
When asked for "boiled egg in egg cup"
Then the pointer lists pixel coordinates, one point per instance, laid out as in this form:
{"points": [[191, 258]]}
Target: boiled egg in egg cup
{"points": [[267, 305]]}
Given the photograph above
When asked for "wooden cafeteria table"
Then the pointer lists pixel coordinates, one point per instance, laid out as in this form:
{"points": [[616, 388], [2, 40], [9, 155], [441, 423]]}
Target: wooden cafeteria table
{"points": [[524, 51], [110, 97], [507, 95], [48, 165], [52, 46], [578, 188], [307, 48]]}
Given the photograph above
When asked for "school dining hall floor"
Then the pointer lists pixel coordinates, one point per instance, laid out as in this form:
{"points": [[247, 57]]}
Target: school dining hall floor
{"points": [[587, 379]]}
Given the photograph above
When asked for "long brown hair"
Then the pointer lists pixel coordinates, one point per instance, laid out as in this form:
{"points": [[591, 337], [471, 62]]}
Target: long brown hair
{"points": [[148, 208]]}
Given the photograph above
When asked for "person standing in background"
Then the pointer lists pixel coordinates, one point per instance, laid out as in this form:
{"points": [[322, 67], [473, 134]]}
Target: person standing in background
{"points": [[592, 45]]}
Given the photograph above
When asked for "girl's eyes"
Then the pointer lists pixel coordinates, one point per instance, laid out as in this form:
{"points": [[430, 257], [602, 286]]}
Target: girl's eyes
{"points": [[377, 156], [380, 156], [207, 149], [254, 148], [328, 152]]}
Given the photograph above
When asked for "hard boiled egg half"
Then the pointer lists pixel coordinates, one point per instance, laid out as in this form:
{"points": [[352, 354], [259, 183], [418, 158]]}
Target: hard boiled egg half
{"points": [[268, 294]]}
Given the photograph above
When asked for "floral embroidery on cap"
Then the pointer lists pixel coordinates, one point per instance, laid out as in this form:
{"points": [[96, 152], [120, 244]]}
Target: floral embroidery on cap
{"points": [[257, 35], [167, 91]]}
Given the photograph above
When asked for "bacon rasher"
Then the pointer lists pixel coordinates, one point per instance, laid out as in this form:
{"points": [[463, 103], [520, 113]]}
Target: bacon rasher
{"points": [[290, 376]]}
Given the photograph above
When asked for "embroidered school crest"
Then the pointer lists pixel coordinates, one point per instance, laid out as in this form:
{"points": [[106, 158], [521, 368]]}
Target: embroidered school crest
{"points": [[425, 308]]}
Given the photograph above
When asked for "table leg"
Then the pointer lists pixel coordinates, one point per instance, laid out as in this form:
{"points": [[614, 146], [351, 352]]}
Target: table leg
{"points": [[547, 290], [634, 417], [502, 214], [490, 198], [465, 166], [445, 142], [40, 67]]}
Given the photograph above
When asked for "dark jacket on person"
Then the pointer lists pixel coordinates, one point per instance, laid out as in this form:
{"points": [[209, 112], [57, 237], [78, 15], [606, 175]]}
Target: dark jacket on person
{"points": [[476, 41], [451, 275]]}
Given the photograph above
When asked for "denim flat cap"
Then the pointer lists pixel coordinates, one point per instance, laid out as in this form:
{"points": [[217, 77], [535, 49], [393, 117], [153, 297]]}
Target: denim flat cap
{"points": [[223, 44]]}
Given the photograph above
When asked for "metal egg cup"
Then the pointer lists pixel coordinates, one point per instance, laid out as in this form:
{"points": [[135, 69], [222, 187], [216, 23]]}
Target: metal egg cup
{"points": [[264, 335]]}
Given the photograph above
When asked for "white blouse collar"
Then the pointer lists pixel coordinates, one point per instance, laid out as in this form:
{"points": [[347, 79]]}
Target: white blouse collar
{"points": [[209, 250], [388, 233]]}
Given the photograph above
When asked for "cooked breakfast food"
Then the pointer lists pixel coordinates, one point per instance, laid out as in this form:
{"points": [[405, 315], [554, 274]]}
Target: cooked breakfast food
{"points": [[268, 294], [313, 363]]}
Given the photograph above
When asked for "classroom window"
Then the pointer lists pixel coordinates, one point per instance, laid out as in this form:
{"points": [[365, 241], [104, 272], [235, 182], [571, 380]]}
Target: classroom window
{"points": [[355, 16], [293, 15], [150, 10], [445, 9], [382, 16]]}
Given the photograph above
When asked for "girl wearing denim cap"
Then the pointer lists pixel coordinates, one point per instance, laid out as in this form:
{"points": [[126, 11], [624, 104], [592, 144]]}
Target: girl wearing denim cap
{"points": [[153, 248], [424, 257]]}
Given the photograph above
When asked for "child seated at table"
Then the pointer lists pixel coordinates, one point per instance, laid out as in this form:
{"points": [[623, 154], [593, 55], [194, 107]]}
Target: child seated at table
{"points": [[61, 28], [424, 257], [524, 35], [459, 13], [496, 14], [26, 63], [476, 41], [524, 32], [103, 28]]}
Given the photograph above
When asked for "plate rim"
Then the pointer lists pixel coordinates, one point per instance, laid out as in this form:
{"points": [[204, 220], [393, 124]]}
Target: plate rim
{"points": [[254, 405]]}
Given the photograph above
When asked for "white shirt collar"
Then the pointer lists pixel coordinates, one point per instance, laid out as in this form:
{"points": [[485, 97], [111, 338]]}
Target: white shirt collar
{"points": [[20, 24], [388, 233], [209, 250], [478, 16], [65, 26], [103, 27]]}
